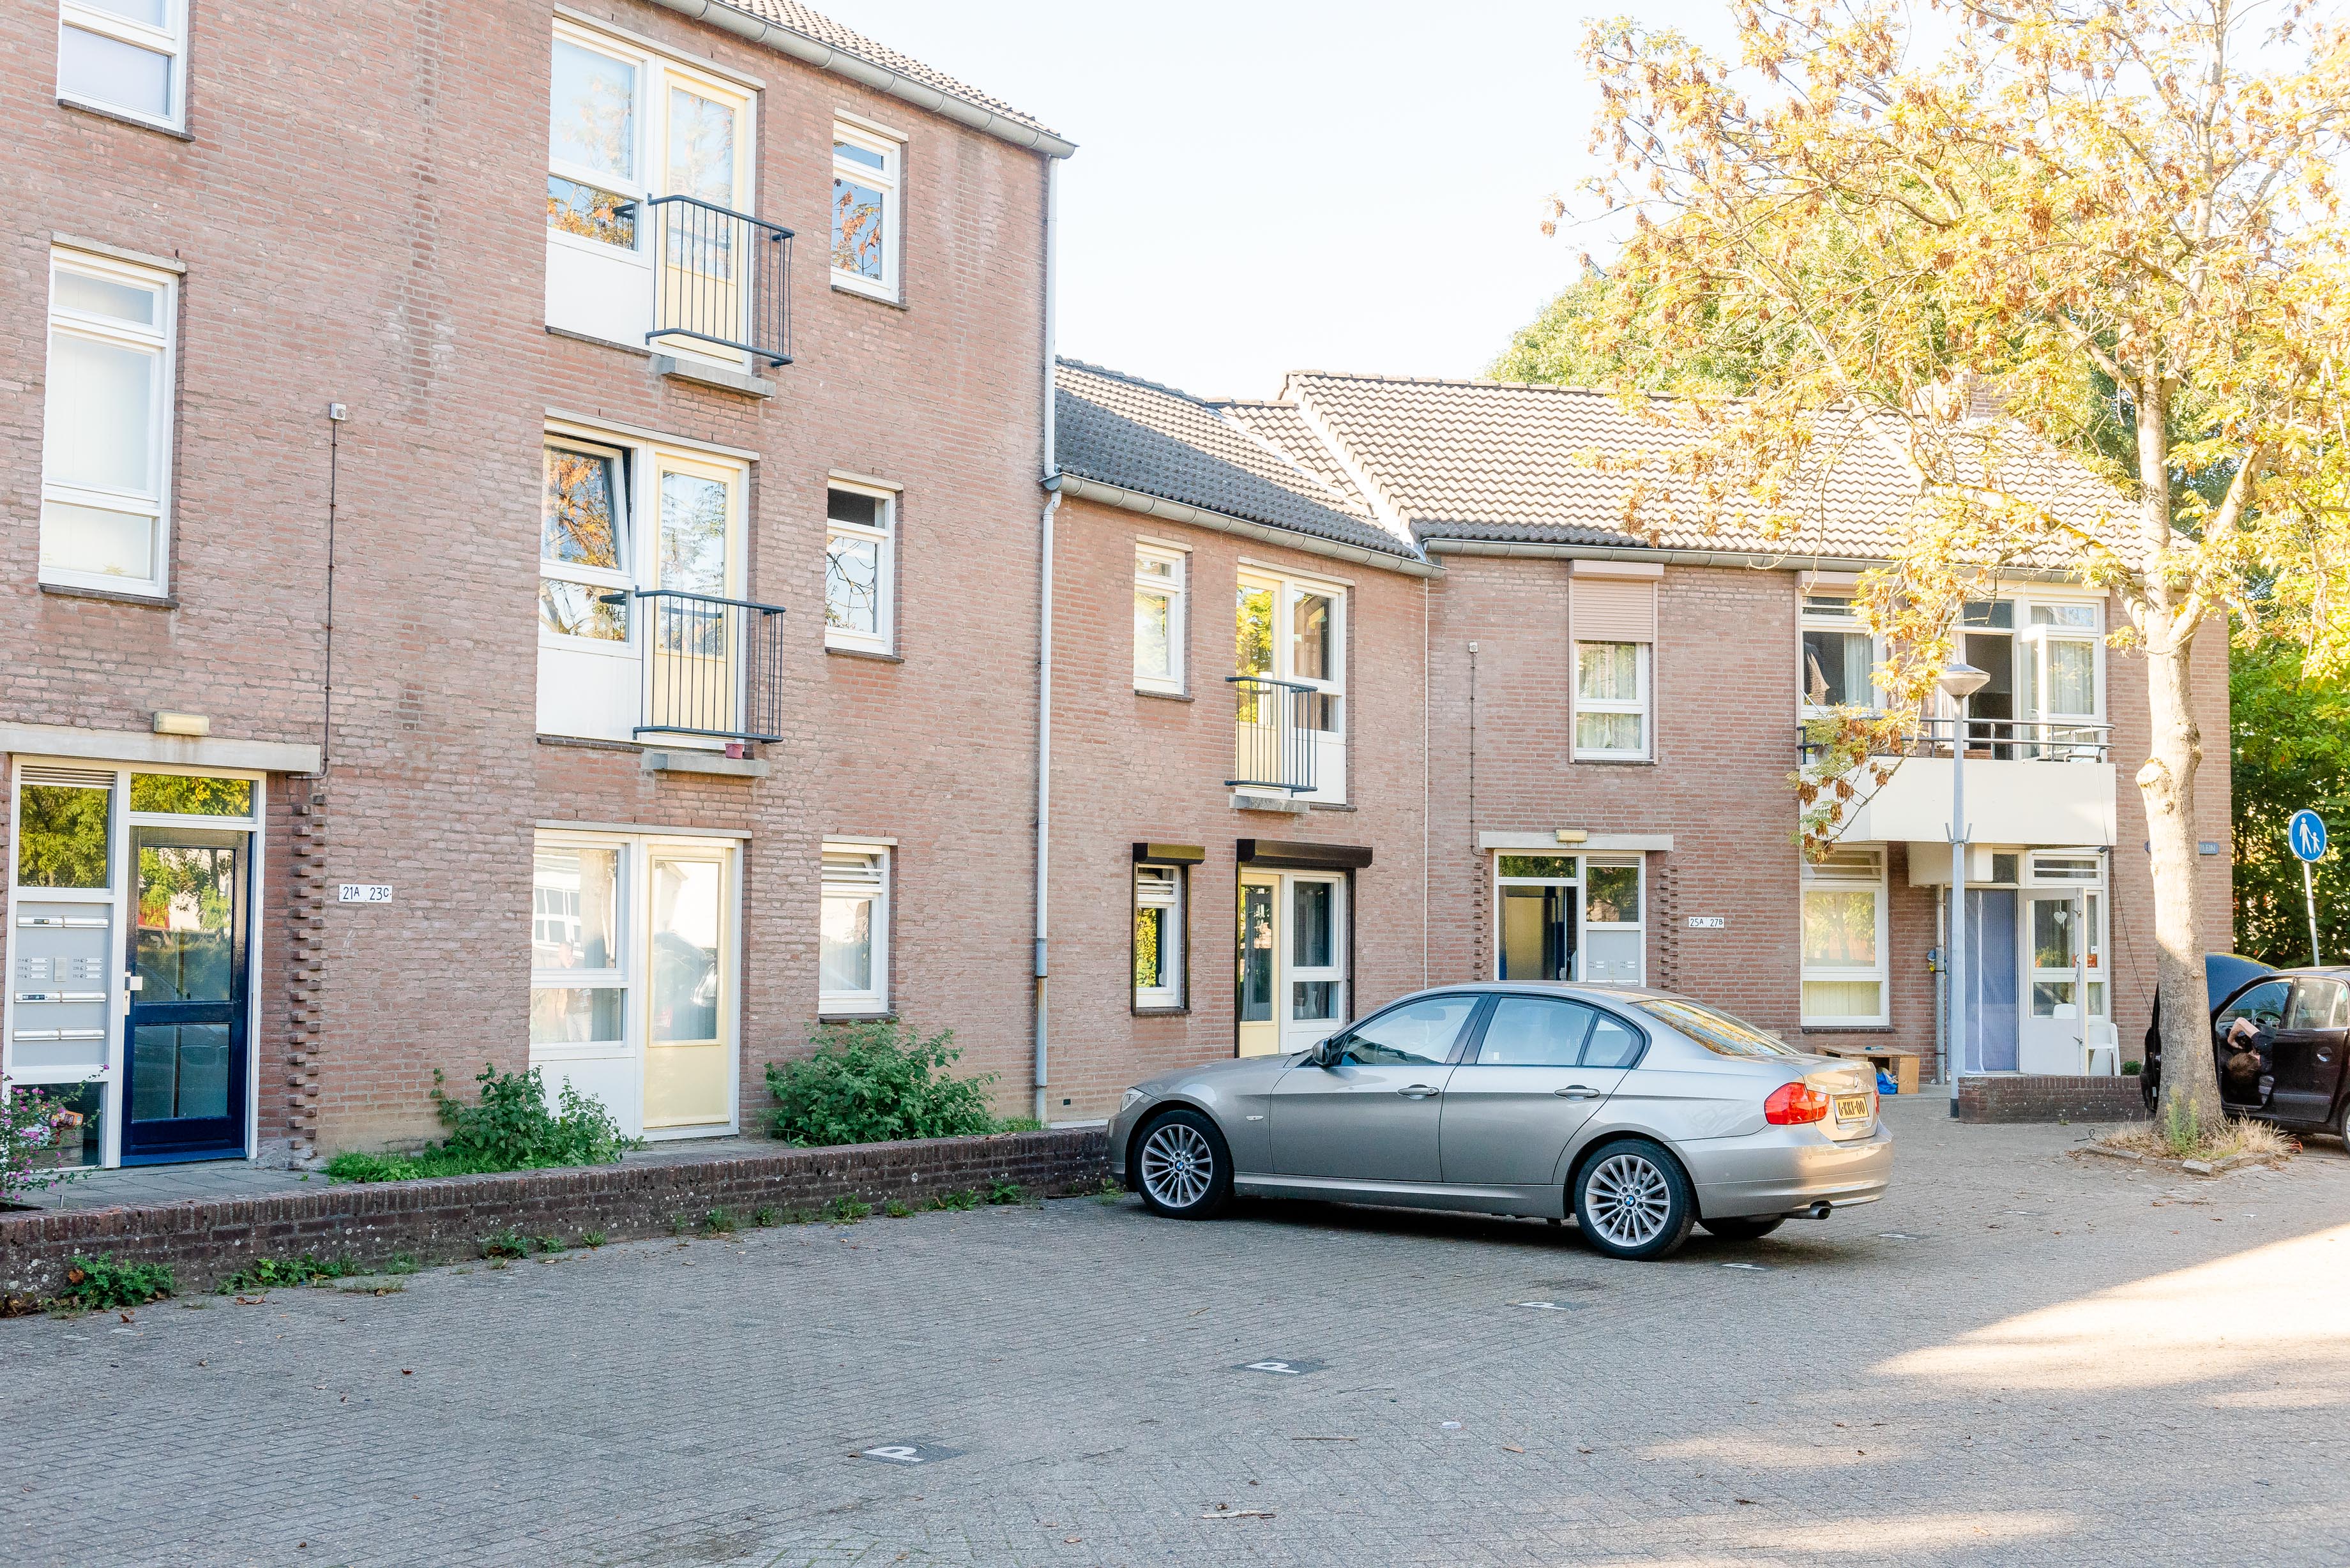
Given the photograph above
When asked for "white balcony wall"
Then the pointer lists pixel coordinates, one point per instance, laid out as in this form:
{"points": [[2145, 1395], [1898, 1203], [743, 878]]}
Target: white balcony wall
{"points": [[2022, 802]]}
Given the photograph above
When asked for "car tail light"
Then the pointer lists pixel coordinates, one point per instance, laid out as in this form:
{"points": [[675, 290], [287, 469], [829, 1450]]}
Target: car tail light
{"points": [[1792, 1105]]}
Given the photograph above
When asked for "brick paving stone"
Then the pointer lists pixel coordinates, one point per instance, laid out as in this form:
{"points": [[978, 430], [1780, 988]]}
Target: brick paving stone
{"points": [[2064, 1346]]}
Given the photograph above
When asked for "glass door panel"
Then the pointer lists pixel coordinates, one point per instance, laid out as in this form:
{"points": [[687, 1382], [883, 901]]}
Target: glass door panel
{"points": [[703, 264], [1316, 984], [692, 685], [184, 1078], [688, 1067], [1260, 959]]}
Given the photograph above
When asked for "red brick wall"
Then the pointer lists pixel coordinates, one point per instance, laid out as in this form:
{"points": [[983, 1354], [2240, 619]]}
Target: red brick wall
{"points": [[360, 214], [1130, 768]]}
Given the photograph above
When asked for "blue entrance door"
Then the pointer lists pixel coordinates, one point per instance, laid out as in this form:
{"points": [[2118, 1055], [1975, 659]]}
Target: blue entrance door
{"points": [[184, 1085], [1991, 980]]}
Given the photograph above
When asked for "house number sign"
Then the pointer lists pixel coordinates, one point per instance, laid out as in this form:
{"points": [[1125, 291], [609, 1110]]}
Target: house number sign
{"points": [[364, 893], [1708, 922]]}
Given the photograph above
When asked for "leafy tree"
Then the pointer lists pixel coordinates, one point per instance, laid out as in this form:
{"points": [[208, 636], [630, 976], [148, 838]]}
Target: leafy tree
{"points": [[2292, 737], [1946, 246]]}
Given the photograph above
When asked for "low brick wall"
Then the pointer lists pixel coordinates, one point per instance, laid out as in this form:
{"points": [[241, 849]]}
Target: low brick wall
{"points": [[445, 1219], [2033, 1097]]}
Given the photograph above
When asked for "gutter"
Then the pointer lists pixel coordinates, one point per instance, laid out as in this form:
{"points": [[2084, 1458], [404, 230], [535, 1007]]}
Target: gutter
{"points": [[1070, 484], [855, 67], [1781, 561], [1043, 1073]]}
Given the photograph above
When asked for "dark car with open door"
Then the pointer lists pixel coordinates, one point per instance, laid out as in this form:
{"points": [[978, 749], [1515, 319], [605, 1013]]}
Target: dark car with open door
{"points": [[2280, 1041]]}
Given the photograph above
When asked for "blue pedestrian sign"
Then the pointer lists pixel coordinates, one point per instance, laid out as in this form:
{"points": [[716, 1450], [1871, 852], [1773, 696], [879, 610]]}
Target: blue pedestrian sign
{"points": [[2306, 833]]}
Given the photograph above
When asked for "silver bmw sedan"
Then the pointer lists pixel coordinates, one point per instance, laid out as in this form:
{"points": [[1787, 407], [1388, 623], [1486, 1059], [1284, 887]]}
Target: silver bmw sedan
{"points": [[1638, 1112]]}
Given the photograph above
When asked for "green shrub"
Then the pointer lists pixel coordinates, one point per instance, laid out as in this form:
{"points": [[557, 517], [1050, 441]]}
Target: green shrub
{"points": [[99, 1284], [2132, 1069], [874, 1083]]}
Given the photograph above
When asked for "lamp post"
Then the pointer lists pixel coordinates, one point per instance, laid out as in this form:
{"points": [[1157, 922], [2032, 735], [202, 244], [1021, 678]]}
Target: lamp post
{"points": [[1959, 682]]}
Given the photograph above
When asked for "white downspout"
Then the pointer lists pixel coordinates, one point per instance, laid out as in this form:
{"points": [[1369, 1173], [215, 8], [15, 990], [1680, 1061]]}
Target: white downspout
{"points": [[1044, 642]]}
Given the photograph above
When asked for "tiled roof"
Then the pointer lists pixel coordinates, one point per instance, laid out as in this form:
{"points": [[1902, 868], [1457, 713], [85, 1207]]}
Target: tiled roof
{"points": [[832, 34], [1509, 462], [1232, 458], [1501, 463]]}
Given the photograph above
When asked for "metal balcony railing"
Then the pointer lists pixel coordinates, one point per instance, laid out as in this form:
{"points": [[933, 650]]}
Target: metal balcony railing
{"points": [[712, 666], [720, 277], [2000, 740], [1274, 735]]}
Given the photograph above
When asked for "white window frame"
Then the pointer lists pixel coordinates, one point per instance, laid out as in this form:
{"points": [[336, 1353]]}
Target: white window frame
{"points": [[616, 1073], [1331, 749], [888, 179], [1639, 706], [1809, 620], [1175, 588], [1577, 882], [1839, 875], [160, 343], [170, 40], [656, 73], [1171, 995], [643, 460], [883, 639], [2032, 652], [875, 891]]}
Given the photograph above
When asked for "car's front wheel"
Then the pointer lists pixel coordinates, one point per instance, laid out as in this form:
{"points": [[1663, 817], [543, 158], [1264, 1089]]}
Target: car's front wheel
{"points": [[1184, 1166], [1631, 1200], [1746, 1228]]}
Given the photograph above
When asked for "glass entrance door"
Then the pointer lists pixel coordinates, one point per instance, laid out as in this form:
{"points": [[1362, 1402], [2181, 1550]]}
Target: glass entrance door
{"points": [[1293, 959], [689, 1070], [184, 1057]]}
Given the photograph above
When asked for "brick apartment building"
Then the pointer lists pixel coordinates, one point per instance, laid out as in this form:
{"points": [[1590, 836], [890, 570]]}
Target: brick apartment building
{"points": [[524, 544]]}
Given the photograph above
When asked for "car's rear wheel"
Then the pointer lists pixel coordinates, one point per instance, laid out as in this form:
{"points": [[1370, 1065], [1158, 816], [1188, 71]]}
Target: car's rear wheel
{"points": [[1631, 1200], [1746, 1228], [1184, 1166]]}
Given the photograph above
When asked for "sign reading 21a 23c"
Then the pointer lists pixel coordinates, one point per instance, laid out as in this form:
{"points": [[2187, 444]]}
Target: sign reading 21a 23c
{"points": [[2306, 834]]}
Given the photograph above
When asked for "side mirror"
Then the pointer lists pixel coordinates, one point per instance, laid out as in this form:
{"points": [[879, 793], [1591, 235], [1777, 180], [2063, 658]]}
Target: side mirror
{"points": [[1329, 1053]]}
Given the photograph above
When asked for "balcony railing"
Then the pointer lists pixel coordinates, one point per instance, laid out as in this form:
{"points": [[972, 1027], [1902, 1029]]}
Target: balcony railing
{"points": [[2000, 740], [712, 666], [1274, 733], [720, 278]]}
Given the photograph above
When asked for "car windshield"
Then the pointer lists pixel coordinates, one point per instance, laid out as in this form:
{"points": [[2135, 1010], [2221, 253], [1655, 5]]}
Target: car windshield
{"points": [[1715, 1030]]}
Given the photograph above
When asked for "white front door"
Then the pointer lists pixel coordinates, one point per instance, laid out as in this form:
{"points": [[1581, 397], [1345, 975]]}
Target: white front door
{"points": [[2051, 1028], [1293, 959]]}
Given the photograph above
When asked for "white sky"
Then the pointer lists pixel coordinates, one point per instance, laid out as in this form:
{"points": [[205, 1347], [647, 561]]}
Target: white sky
{"points": [[1267, 185]]}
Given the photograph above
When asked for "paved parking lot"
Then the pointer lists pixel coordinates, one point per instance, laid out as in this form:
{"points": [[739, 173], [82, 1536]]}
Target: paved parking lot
{"points": [[2019, 1358]]}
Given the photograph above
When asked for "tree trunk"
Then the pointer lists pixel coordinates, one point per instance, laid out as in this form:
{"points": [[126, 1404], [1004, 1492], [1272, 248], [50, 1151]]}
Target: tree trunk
{"points": [[2191, 1083]]}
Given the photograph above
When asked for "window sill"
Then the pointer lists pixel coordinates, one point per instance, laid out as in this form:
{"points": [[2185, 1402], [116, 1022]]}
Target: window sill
{"points": [[890, 302], [113, 597], [1329, 806], [677, 368], [121, 117], [1847, 1029], [1605, 762], [1160, 1011], [586, 743], [874, 654], [1165, 696], [824, 1018]]}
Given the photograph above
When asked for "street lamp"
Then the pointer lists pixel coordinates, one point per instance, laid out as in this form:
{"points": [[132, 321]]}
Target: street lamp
{"points": [[1959, 682]]}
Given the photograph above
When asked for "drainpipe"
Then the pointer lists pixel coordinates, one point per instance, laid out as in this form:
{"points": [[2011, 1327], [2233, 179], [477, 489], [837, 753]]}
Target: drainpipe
{"points": [[1045, 640]]}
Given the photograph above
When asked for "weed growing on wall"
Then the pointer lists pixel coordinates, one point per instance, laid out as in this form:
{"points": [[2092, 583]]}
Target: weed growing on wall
{"points": [[511, 1127]]}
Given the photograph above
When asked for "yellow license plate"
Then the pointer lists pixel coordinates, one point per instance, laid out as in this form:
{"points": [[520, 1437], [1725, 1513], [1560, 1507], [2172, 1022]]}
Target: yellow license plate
{"points": [[1852, 1108]]}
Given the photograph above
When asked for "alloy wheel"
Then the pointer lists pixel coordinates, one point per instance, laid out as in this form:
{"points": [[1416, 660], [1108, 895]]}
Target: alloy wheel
{"points": [[1628, 1200], [1178, 1166]]}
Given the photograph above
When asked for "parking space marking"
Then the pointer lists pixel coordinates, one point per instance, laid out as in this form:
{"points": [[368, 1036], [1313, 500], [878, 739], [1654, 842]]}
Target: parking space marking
{"points": [[1552, 1306], [909, 1451], [1282, 1368]]}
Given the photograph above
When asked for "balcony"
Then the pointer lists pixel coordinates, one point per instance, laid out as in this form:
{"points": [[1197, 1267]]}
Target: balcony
{"points": [[721, 279], [2028, 783], [712, 666], [1276, 743]]}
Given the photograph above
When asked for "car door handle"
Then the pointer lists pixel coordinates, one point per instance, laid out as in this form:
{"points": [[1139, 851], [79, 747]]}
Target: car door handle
{"points": [[1419, 1091], [1577, 1092]]}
